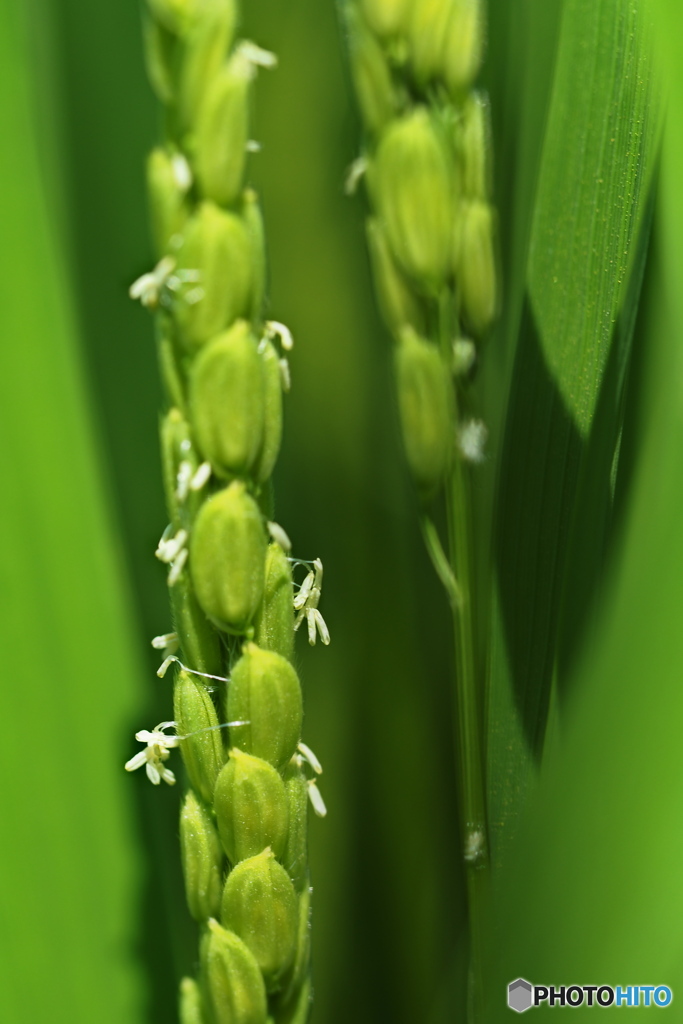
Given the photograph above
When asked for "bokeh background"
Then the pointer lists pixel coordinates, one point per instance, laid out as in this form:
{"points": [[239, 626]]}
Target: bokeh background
{"points": [[93, 925]]}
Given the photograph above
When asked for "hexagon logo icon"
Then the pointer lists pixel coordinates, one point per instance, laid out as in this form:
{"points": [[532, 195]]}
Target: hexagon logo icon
{"points": [[520, 995]]}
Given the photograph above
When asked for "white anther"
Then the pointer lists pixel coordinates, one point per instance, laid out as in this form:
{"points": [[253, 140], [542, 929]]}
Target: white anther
{"points": [[183, 480], [306, 603], [464, 354], [257, 56], [279, 536], [149, 287], [182, 175], [157, 750], [321, 626], [475, 845], [310, 757], [177, 567], [161, 643], [201, 477], [315, 796], [186, 445], [253, 146], [274, 329], [168, 550], [472, 437], [301, 598], [285, 375], [163, 668], [354, 175], [163, 541]]}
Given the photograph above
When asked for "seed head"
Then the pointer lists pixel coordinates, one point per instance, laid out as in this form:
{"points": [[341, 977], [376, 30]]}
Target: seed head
{"points": [[398, 302], [463, 45], [166, 190], [476, 265], [259, 904], [202, 743], [203, 54], [202, 858], [412, 180], [371, 74], [265, 691], [228, 553], [425, 407], [386, 18], [222, 132], [272, 411], [251, 807], [274, 623], [233, 979], [217, 247], [227, 401]]}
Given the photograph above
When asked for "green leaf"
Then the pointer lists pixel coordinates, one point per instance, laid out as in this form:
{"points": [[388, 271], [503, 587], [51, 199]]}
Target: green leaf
{"points": [[558, 451], [68, 871], [597, 162], [594, 890]]}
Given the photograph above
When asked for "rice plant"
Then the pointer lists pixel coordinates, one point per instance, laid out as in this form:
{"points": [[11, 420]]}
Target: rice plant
{"points": [[573, 567]]}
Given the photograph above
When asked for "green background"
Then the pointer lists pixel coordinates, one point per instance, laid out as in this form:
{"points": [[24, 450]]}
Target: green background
{"points": [[92, 920]]}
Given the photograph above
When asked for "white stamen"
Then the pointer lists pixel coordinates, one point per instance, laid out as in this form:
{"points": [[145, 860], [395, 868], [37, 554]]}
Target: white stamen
{"points": [[317, 802], [304, 590], [157, 750], [148, 287], [354, 175], [279, 536], [464, 354], [177, 567], [182, 175], [285, 375], [474, 846], [141, 285], [255, 55], [321, 625], [163, 668], [160, 643], [274, 329], [201, 477], [136, 761], [472, 437], [168, 550], [311, 758], [183, 480]]}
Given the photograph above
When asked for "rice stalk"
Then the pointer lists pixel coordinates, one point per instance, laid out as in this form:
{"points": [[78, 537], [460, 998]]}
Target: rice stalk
{"points": [[431, 232], [237, 698]]}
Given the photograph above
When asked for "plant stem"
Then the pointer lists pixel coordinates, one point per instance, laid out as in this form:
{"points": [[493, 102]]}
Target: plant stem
{"points": [[467, 713]]}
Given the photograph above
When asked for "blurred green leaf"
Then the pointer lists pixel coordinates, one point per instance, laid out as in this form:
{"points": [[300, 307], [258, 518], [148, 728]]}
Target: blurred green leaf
{"points": [[68, 875], [594, 890], [587, 249], [595, 174]]}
